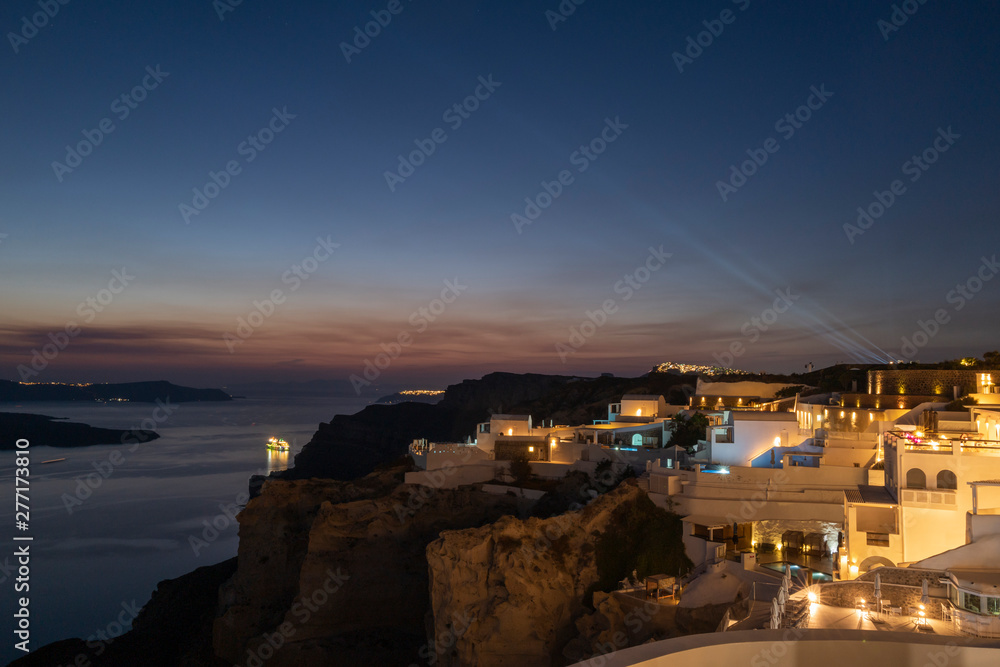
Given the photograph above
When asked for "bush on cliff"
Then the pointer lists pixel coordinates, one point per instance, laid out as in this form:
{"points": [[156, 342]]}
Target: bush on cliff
{"points": [[640, 537]]}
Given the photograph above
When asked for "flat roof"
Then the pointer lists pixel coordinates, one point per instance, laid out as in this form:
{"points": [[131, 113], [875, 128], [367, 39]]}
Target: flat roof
{"points": [[762, 416], [622, 425], [642, 397], [969, 577], [511, 418], [867, 494]]}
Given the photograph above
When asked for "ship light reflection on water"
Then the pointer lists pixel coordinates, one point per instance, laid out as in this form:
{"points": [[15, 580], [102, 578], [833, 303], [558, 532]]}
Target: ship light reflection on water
{"points": [[277, 460]]}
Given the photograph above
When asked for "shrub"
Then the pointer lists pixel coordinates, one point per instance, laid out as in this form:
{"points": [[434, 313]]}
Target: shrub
{"points": [[641, 537]]}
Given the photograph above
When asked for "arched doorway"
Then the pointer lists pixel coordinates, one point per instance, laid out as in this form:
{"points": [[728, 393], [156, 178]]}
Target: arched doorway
{"points": [[873, 562]]}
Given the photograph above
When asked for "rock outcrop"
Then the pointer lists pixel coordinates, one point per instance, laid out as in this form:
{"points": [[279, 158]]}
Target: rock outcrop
{"points": [[509, 593], [326, 579], [173, 629]]}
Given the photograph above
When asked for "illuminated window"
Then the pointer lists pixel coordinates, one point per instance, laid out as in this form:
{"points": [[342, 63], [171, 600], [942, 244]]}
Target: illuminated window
{"points": [[531, 449], [638, 413]]}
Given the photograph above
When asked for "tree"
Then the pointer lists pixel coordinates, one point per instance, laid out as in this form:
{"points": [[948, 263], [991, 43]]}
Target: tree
{"points": [[520, 469], [687, 432], [788, 392]]}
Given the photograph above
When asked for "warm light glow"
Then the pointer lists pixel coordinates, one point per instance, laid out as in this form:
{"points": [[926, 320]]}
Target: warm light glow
{"points": [[854, 570], [510, 431], [813, 597], [553, 442], [531, 449], [777, 441], [638, 412], [778, 547]]}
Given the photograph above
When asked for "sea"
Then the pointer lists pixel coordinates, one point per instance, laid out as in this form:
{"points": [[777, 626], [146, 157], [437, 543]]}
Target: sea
{"points": [[110, 521]]}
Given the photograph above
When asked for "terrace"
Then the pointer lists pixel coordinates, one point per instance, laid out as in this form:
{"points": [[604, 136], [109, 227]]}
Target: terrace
{"points": [[937, 443]]}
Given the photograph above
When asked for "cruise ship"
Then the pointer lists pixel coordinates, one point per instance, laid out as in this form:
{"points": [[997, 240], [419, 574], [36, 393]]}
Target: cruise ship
{"points": [[277, 444]]}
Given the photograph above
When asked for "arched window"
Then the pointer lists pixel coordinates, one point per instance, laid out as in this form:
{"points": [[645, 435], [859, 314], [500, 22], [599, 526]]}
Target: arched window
{"points": [[946, 480], [916, 479]]}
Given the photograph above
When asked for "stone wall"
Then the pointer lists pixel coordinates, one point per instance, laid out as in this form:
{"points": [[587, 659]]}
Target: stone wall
{"points": [[927, 382], [907, 576], [847, 594]]}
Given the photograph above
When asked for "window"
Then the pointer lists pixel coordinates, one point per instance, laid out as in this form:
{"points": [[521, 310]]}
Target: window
{"points": [[993, 606], [946, 480], [916, 479], [971, 602], [878, 539]]}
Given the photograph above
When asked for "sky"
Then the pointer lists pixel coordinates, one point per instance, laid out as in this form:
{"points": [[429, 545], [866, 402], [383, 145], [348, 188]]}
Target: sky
{"points": [[210, 192]]}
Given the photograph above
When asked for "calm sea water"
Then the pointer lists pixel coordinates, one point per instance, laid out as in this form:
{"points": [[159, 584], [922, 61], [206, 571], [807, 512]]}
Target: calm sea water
{"points": [[96, 554]]}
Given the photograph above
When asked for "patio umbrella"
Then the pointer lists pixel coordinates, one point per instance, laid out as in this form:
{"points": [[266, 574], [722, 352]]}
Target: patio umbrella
{"points": [[878, 593], [925, 597], [775, 615]]}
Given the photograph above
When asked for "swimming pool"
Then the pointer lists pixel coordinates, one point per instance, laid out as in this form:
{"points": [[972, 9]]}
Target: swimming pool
{"points": [[799, 572]]}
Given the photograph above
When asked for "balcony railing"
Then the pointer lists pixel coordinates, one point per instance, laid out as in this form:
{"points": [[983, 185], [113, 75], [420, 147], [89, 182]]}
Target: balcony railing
{"points": [[931, 498], [976, 625]]}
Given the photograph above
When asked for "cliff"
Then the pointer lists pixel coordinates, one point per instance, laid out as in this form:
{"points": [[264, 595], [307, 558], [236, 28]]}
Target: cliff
{"points": [[332, 574], [513, 592], [352, 445], [173, 629]]}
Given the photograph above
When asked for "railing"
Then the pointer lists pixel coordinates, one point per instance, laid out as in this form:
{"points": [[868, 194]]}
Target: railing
{"points": [[938, 498], [978, 626]]}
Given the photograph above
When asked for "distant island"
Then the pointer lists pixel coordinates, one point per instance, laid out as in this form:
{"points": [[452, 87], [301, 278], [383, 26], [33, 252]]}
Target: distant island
{"points": [[141, 392], [413, 395], [42, 430]]}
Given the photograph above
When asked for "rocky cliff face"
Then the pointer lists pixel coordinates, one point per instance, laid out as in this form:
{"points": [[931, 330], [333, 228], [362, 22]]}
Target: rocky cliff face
{"points": [[352, 445], [173, 629], [328, 580], [509, 593]]}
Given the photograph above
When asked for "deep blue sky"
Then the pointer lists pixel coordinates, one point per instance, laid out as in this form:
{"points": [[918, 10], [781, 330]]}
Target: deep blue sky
{"points": [[323, 176]]}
